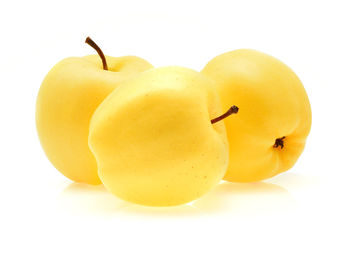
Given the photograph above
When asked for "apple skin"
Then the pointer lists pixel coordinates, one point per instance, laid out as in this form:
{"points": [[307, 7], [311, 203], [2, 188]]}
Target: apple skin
{"points": [[153, 138], [67, 98], [273, 105]]}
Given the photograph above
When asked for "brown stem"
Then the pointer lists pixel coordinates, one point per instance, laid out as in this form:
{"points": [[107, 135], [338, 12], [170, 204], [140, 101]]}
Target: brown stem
{"points": [[232, 110], [279, 142], [99, 51]]}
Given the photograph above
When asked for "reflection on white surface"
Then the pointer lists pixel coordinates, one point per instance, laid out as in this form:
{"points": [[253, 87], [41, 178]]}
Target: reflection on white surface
{"points": [[295, 181], [85, 198], [246, 199], [234, 198]]}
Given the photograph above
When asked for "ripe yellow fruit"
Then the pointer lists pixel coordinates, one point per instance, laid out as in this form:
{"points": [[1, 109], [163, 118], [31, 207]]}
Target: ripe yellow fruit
{"points": [[68, 96], [153, 138], [269, 133]]}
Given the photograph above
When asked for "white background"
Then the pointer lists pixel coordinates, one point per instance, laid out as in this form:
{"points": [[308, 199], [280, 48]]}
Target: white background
{"points": [[305, 210]]}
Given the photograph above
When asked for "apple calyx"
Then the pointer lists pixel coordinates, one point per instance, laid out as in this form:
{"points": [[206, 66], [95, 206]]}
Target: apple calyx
{"points": [[89, 41], [279, 142], [232, 110]]}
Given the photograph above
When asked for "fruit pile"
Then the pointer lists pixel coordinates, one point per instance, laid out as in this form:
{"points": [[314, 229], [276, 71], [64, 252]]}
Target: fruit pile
{"points": [[166, 136]]}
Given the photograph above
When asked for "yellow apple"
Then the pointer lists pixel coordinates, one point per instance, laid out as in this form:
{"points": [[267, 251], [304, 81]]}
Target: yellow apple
{"points": [[67, 98], [269, 134], [154, 141]]}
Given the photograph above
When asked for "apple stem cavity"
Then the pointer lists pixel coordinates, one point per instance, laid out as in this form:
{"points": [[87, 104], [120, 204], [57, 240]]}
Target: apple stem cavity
{"points": [[99, 51], [279, 142], [230, 111]]}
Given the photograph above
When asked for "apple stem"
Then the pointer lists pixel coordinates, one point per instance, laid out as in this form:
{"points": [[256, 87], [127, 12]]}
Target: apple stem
{"points": [[279, 142], [99, 51], [230, 111]]}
